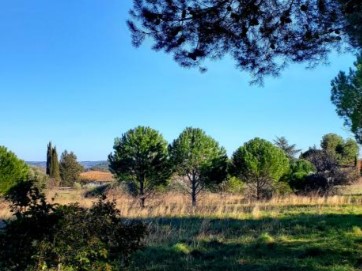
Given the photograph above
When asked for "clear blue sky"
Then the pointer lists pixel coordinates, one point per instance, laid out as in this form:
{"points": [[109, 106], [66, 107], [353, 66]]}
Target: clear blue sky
{"points": [[69, 74]]}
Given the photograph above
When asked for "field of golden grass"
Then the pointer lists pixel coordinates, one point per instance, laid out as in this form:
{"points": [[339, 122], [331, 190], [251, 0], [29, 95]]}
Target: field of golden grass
{"points": [[229, 232], [217, 205], [98, 176]]}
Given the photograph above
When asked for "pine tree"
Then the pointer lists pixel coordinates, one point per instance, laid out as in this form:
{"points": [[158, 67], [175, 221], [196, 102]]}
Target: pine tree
{"points": [[290, 150], [49, 158]]}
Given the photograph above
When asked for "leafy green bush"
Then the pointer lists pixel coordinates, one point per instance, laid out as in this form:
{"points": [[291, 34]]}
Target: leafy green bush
{"points": [[12, 169], [232, 185], [48, 236]]}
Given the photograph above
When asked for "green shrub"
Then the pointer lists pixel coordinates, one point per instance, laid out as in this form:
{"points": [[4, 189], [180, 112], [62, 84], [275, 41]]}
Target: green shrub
{"points": [[233, 185], [47, 236], [12, 170]]}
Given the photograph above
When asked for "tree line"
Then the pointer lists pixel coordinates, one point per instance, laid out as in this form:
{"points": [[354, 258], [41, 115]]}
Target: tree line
{"points": [[144, 160], [64, 172]]}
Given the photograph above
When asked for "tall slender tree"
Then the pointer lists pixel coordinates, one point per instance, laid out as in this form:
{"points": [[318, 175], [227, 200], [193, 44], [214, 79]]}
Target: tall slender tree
{"points": [[54, 170], [49, 158]]}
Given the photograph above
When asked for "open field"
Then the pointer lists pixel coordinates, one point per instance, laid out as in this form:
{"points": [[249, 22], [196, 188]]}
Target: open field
{"points": [[227, 232]]}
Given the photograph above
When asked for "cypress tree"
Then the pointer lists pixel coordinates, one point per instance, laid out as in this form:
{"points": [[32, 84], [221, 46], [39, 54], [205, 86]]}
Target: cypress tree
{"points": [[54, 171], [49, 158]]}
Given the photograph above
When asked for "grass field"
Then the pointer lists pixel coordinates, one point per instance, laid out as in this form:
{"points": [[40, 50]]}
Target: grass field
{"points": [[226, 232], [304, 237]]}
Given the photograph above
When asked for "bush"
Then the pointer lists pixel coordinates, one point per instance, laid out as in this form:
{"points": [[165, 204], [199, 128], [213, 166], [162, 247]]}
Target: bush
{"points": [[12, 170], [47, 236], [232, 185]]}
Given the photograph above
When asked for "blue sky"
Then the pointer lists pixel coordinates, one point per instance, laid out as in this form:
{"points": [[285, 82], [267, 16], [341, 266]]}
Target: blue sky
{"points": [[69, 74]]}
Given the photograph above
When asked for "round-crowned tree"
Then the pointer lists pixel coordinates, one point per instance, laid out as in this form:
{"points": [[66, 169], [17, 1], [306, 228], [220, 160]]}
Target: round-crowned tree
{"points": [[12, 170], [141, 157], [70, 168], [260, 164], [200, 159]]}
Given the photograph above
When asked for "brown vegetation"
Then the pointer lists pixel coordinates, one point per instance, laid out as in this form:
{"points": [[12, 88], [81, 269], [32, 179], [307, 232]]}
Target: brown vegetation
{"points": [[219, 205], [96, 176]]}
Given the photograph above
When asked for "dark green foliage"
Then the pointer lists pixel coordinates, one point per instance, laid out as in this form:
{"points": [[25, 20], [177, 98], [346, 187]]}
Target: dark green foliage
{"points": [[49, 158], [199, 158], [261, 165], [290, 150], [52, 164], [261, 36], [344, 151], [353, 9], [54, 170], [347, 97], [299, 171], [12, 170], [141, 158], [47, 236], [70, 169]]}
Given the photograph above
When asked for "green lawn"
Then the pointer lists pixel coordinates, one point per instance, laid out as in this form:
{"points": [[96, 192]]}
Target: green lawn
{"points": [[299, 238]]}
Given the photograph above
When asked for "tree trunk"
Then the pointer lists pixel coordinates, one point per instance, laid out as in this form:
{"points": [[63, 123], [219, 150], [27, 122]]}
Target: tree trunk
{"points": [[142, 202], [142, 194], [257, 190], [194, 202], [193, 193]]}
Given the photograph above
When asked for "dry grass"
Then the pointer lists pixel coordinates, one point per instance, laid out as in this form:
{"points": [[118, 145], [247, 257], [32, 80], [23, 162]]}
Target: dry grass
{"points": [[98, 176], [4, 210], [209, 204]]}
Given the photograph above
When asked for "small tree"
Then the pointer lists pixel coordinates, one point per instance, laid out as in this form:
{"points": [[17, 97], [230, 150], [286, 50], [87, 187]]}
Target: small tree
{"points": [[290, 150], [200, 159], [343, 151], [12, 170], [141, 158], [260, 164], [70, 169]]}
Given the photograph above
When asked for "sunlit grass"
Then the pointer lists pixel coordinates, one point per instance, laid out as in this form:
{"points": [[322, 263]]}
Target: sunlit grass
{"points": [[228, 232]]}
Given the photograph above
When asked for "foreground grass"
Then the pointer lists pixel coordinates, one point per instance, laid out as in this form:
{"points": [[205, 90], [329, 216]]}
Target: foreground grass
{"points": [[299, 238], [229, 233]]}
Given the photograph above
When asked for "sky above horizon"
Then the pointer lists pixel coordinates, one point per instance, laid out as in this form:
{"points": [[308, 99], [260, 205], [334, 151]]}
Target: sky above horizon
{"points": [[70, 75]]}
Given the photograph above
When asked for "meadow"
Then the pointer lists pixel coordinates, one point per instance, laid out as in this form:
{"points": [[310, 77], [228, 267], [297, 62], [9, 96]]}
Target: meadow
{"points": [[228, 232]]}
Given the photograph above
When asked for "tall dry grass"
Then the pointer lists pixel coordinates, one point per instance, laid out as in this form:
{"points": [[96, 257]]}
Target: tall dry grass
{"points": [[209, 204]]}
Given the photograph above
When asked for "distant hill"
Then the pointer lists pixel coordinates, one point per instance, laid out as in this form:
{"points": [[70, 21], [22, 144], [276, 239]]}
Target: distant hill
{"points": [[98, 165]]}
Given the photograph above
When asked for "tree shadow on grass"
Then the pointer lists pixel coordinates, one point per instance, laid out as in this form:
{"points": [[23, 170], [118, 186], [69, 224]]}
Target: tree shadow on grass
{"points": [[298, 242]]}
